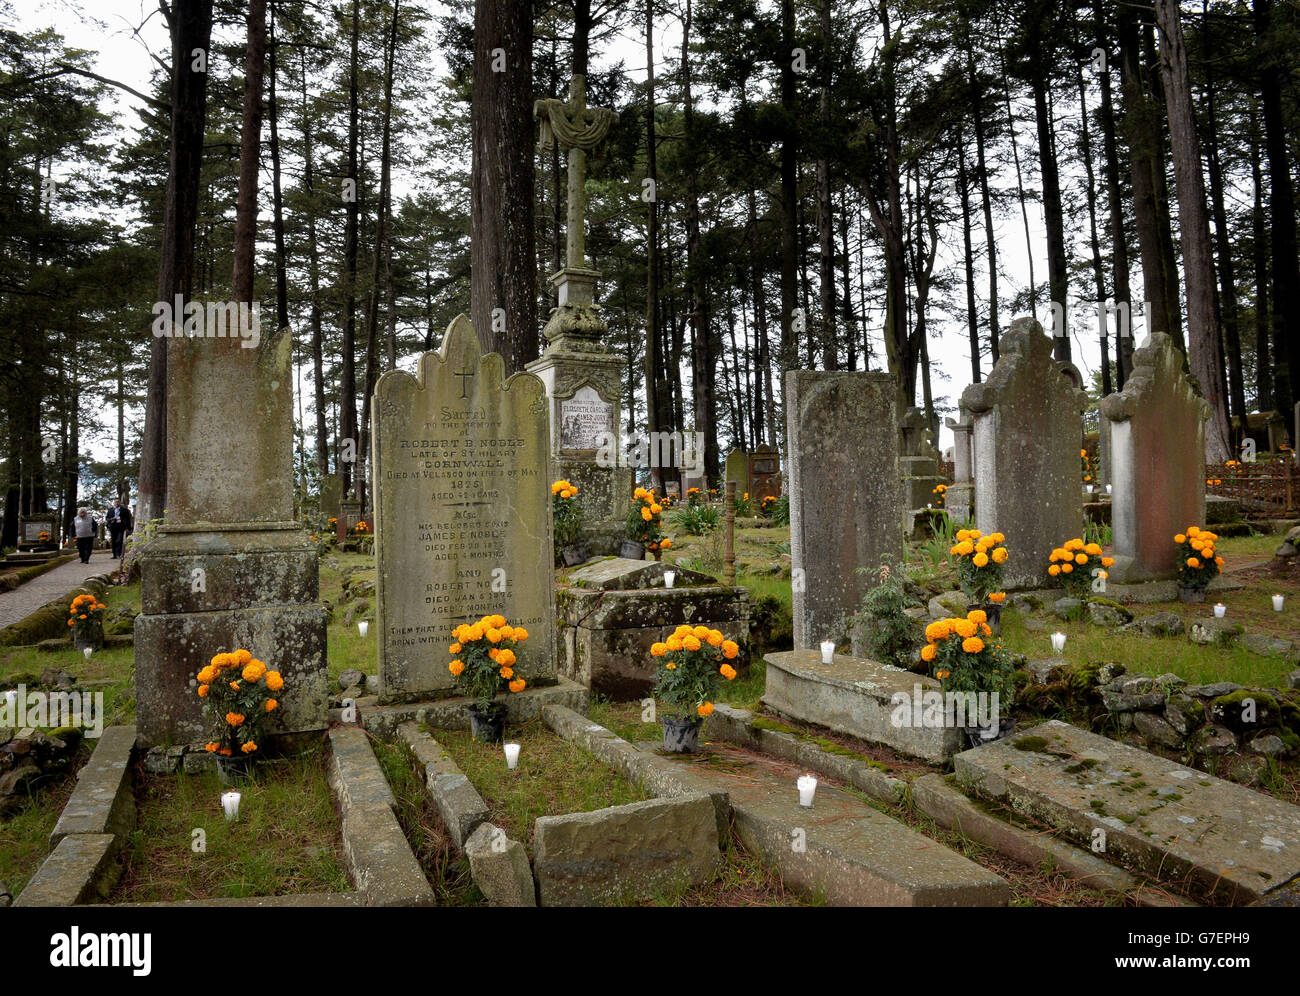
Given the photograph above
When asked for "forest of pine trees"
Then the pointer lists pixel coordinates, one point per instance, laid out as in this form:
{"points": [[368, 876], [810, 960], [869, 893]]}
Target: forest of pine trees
{"points": [[858, 184]]}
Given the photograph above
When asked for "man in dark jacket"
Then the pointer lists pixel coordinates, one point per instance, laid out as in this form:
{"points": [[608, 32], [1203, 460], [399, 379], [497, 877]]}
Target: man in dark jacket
{"points": [[120, 526]]}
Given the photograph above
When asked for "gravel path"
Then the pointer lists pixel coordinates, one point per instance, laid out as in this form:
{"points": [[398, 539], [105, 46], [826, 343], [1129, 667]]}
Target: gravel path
{"points": [[27, 598]]}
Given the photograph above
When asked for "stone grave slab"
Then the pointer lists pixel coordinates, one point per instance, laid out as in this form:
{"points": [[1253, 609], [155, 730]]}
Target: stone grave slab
{"points": [[846, 493], [855, 695], [462, 513], [1229, 844]]}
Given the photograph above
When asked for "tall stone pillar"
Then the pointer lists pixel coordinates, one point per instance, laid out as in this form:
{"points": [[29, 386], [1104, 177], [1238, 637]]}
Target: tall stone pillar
{"points": [[229, 566]]}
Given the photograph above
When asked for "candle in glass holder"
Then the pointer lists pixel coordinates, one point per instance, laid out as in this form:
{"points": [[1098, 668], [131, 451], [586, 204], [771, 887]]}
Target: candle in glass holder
{"points": [[1058, 641], [807, 789], [669, 578], [1108, 489], [363, 628], [1278, 602], [1219, 610], [512, 755], [86, 652], [828, 651], [230, 805]]}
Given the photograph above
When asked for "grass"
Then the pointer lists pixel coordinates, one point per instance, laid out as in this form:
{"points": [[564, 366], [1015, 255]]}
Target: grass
{"points": [[554, 777], [25, 833], [285, 842], [446, 868]]}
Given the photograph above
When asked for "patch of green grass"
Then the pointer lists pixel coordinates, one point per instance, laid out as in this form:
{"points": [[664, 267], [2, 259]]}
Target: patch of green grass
{"points": [[25, 833], [286, 840], [446, 868], [554, 777]]}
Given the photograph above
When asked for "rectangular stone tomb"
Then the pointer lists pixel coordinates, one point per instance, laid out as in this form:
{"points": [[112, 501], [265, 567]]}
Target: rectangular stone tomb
{"points": [[613, 611], [1227, 843], [857, 696], [462, 513]]}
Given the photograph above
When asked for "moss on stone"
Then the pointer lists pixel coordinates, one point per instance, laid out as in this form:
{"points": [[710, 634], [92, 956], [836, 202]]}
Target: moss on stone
{"points": [[1036, 744]]}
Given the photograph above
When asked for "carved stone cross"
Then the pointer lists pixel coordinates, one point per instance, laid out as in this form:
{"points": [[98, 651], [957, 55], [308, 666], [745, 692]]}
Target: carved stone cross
{"points": [[579, 129]]}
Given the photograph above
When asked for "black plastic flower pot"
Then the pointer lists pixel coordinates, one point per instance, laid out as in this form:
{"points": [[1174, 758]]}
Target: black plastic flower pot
{"points": [[487, 726], [681, 735]]}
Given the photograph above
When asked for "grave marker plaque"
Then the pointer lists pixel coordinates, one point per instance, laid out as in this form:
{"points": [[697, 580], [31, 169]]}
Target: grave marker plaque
{"points": [[462, 513]]}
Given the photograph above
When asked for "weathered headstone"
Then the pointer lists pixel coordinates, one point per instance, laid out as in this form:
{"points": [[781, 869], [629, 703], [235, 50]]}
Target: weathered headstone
{"points": [[919, 465], [764, 473], [737, 469], [1028, 428], [331, 496], [229, 566], [846, 502], [958, 499], [31, 525], [461, 461], [582, 377], [1157, 456]]}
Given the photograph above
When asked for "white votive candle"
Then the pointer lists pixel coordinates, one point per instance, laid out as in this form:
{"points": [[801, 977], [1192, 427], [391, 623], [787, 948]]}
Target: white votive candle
{"points": [[512, 755], [86, 652], [230, 805], [1058, 641], [1219, 610], [807, 789], [11, 698], [1278, 601], [1108, 489], [828, 651], [669, 578], [363, 628]]}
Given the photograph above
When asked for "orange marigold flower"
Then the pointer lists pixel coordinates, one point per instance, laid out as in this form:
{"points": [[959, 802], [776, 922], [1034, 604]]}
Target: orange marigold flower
{"points": [[727, 671], [518, 685], [521, 634], [997, 597], [272, 705], [456, 667], [454, 648], [249, 747], [730, 649], [941, 674], [507, 672], [670, 666], [203, 691], [972, 645], [235, 718], [273, 681], [977, 616], [210, 748], [929, 652], [658, 649], [705, 709]]}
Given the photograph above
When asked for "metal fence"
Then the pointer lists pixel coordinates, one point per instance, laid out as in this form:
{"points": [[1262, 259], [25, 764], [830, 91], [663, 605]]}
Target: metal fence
{"points": [[1267, 488]]}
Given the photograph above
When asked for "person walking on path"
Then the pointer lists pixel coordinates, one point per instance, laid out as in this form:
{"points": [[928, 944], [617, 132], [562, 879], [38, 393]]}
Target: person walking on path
{"points": [[84, 525], [120, 526]]}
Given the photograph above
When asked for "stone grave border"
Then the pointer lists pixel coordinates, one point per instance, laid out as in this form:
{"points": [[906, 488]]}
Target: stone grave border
{"points": [[559, 873], [82, 868], [935, 796], [767, 839]]}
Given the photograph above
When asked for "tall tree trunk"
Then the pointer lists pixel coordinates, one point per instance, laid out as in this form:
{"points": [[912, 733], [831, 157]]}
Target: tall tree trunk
{"points": [[1094, 241], [1260, 245], [1194, 230], [313, 276], [1276, 60], [825, 214], [277, 197], [982, 173], [348, 371], [503, 255], [250, 144], [191, 33], [1160, 177], [1229, 314], [968, 260], [789, 356], [655, 398], [1058, 280], [1115, 209]]}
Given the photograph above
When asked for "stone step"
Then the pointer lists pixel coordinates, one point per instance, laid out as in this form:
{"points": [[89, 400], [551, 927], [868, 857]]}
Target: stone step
{"points": [[1219, 840], [841, 850], [855, 695]]}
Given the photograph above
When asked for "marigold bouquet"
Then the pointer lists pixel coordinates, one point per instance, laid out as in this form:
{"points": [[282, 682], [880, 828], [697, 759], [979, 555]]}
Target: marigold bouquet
{"points": [[644, 524], [1075, 562], [239, 694], [1087, 472], [939, 491], [692, 663], [360, 529], [566, 512], [964, 657], [86, 619], [1198, 564], [979, 561], [485, 658]]}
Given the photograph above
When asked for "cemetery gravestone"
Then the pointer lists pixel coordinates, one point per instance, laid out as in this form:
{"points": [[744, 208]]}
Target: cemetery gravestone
{"points": [[331, 497], [764, 473], [31, 526], [1156, 426], [1028, 428], [229, 567], [737, 469], [958, 499], [462, 513], [846, 502], [919, 465]]}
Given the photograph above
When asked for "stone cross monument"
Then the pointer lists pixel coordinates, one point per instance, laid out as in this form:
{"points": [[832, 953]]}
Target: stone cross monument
{"points": [[583, 378]]}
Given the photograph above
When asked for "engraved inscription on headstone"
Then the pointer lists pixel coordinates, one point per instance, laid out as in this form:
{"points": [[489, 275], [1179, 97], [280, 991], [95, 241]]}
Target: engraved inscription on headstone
{"points": [[462, 513], [583, 420]]}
